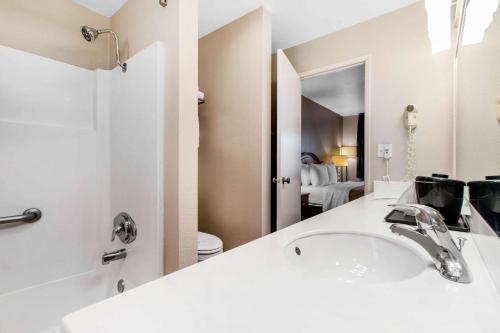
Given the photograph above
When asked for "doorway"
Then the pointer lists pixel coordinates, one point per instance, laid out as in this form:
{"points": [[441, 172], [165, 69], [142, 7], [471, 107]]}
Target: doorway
{"points": [[343, 91]]}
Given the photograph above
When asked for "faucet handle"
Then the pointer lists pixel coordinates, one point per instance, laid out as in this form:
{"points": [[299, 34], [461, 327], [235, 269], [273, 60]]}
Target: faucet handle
{"points": [[461, 243], [424, 215], [116, 230], [125, 228]]}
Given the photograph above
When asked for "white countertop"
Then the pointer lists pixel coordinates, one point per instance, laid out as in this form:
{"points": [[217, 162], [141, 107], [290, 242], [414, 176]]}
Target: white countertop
{"points": [[254, 288]]}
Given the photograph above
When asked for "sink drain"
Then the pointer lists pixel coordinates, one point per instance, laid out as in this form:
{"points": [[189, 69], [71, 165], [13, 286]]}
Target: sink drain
{"points": [[120, 286], [297, 250]]}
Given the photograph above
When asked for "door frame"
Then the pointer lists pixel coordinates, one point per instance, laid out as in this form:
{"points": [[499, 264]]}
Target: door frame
{"points": [[366, 60]]}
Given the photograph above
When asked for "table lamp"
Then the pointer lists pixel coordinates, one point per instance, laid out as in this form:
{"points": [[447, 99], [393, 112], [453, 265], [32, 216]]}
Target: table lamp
{"points": [[340, 161]]}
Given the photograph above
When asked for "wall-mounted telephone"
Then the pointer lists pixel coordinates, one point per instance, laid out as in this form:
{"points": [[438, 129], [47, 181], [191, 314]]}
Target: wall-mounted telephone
{"points": [[410, 122]]}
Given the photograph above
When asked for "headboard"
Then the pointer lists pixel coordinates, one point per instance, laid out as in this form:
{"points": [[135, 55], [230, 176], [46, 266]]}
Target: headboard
{"points": [[309, 158]]}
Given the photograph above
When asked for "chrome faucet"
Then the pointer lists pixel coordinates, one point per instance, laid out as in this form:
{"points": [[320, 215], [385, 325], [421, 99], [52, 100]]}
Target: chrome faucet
{"points": [[432, 234]]}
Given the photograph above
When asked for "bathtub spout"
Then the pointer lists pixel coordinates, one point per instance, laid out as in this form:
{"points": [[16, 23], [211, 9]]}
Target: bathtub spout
{"points": [[112, 256]]}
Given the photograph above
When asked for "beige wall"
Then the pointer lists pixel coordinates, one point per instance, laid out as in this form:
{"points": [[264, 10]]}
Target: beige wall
{"points": [[321, 129], [478, 92], [51, 28], [349, 139], [140, 23], [402, 70], [234, 160]]}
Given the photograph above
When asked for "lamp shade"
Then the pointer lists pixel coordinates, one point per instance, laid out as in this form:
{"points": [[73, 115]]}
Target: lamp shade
{"points": [[340, 161], [348, 151]]}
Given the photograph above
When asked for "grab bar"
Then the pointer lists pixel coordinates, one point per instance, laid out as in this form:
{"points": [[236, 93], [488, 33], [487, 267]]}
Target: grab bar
{"points": [[29, 216]]}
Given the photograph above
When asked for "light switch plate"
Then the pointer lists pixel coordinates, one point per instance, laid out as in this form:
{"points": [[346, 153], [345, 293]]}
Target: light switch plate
{"points": [[382, 148]]}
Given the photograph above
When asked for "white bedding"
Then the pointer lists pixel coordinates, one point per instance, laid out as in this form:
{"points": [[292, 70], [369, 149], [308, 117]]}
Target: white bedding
{"points": [[330, 196]]}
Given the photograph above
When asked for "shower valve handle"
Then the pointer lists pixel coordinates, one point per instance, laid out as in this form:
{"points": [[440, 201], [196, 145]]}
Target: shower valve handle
{"points": [[116, 231], [125, 228]]}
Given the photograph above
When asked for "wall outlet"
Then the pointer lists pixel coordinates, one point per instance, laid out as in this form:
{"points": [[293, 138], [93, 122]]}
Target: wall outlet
{"points": [[384, 150]]}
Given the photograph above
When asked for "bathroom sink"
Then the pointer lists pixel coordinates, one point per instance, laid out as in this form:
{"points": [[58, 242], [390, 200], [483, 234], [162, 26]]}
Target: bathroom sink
{"points": [[354, 258]]}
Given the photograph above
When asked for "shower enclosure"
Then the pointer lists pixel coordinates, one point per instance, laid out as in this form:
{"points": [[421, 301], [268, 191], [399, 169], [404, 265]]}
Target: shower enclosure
{"points": [[81, 146]]}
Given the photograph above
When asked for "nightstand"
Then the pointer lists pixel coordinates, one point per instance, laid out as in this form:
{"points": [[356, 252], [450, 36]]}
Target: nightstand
{"points": [[304, 200]]}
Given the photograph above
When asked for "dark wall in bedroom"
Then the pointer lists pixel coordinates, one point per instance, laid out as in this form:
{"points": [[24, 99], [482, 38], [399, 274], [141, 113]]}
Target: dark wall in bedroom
{"points": [[350, 137], [322, 129]]}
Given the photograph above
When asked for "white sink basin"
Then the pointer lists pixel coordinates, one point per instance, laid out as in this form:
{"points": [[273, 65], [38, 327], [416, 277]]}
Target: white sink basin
{"points": [[354, 258]]}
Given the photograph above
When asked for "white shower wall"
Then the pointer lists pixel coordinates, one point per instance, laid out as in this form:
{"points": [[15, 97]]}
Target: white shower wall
{"points": [[82, 146], [136, 159]]}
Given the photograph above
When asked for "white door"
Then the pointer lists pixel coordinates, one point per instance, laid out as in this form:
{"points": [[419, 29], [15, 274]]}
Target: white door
{"points": [[288, 96]]}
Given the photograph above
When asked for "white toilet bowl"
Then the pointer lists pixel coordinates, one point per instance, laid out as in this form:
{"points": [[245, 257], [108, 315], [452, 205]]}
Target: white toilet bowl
{"points": [[208, 246]]}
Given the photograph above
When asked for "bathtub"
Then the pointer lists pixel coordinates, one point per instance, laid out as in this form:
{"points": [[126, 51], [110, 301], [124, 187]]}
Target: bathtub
{"points": [[39, 309], [89, 148]]}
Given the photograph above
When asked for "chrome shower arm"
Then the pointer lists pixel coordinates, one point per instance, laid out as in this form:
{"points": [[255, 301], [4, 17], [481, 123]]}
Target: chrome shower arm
{"points": [[90, 34], [117, 48]]}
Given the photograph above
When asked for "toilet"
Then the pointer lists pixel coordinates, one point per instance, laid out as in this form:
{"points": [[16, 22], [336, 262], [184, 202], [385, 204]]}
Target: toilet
{"points": [[208, 246]]}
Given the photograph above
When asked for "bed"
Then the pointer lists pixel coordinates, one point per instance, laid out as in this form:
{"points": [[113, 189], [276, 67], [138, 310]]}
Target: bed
{"points": [[323, 198]]}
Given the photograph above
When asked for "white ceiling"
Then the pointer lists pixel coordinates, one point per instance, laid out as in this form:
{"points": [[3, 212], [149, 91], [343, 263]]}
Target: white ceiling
{"points": [[296, 21], [342, 91], [103, 7]]}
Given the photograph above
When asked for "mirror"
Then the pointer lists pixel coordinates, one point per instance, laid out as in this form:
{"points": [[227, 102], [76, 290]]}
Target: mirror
{"points": [[415, 87], [478, 97], [477, 84]]}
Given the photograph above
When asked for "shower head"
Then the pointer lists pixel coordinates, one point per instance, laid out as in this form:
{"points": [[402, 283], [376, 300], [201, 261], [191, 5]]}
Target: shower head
{"points": [[91, 34]]}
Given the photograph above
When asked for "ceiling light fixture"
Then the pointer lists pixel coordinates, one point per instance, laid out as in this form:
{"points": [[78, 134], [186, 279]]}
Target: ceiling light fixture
{"points": [[439, 24], [478, 18]]}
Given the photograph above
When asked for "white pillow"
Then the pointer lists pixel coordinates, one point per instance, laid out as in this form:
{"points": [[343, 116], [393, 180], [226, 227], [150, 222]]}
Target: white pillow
{"points": [[319, 175], [305, 176], [332, 173]]}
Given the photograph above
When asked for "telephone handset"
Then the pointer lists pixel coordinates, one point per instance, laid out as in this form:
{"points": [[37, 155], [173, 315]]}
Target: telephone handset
{"points": [[410, 122]]}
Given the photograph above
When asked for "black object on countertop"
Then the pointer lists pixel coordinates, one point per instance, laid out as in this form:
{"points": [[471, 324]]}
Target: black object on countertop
{"points": [[396, 216], [444, 195], [440, 175], [485, 197]]}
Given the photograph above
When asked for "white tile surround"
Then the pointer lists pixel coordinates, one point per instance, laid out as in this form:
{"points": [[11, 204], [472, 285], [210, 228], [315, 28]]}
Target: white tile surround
{"points": [[41, 91], [82, 146]]}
